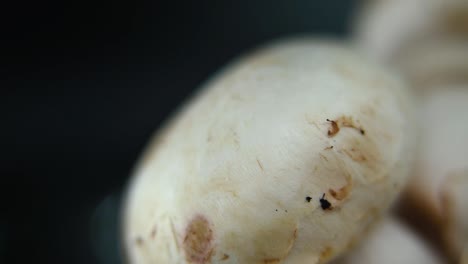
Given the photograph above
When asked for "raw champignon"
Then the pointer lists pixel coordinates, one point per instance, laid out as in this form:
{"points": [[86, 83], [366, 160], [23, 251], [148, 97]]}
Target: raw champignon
{"points": [[290, 153]]}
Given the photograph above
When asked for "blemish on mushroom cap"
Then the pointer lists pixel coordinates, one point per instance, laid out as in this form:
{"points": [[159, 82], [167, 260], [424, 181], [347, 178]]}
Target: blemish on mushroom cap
{"points": [[334, 128], [326, 254], [198, 240]]}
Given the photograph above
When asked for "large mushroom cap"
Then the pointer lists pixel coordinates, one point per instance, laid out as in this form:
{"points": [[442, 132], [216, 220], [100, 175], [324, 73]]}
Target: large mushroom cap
{"points": [[290, 153]]}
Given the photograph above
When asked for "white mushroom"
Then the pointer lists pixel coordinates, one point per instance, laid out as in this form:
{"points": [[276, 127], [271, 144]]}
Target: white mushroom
{"points": [[391, 242], [289, 154]]}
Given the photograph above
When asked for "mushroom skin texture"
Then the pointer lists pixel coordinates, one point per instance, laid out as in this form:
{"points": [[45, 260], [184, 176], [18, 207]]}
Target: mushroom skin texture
{"points": [[290, 153], [391, 242]]}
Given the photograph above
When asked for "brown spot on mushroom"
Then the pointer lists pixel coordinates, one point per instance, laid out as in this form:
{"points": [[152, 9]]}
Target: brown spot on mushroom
{"points": [[334, 128], [198, 241], [343, 121], [341, 193], [326, 254], [328, 148], [348, 121], [355, 155], [225, 257]]}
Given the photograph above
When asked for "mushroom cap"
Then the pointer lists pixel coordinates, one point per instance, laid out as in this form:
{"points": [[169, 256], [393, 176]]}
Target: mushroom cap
{"points": [[290, 153]]}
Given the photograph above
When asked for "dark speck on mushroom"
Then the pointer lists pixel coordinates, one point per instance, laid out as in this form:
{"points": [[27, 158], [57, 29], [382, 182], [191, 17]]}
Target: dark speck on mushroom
{"points": [[308, 199], [324, 203]]}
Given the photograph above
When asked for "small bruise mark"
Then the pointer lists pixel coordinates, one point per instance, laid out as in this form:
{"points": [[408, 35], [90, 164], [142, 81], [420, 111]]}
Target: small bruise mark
{"points": [[326, 254], [260, 164], [325, 204], [198, 241], [355, 155], [342, 192], [224, 257], [328, 148], [308, 199]]}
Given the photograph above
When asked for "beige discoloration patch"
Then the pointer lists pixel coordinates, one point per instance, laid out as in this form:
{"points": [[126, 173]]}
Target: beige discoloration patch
{"points": [[224, 257], [326, 254], [153, 233], [355, 154], [342, 192], [349, 121], [198, 241]]}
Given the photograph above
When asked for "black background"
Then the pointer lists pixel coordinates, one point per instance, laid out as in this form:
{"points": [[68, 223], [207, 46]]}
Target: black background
{"points": [[86, 83]]}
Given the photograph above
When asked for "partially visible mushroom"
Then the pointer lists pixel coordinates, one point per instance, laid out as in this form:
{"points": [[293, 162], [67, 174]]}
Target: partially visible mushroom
{"points": [[391, 242], [291, 153], [430, 66], [383, 28], [428, 202], [427, 42]]}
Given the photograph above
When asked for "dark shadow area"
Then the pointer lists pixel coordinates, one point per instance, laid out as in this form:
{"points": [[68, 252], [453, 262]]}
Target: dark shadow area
{"points": [[85, 85]]}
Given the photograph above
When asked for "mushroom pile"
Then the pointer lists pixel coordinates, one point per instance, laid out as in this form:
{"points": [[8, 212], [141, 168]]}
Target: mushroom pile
{"points": [[311, 150]]}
